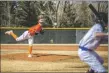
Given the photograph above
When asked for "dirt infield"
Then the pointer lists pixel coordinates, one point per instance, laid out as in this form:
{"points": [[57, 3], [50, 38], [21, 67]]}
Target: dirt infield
{"points": [[44, 60], [62, 47], [41, 57]]}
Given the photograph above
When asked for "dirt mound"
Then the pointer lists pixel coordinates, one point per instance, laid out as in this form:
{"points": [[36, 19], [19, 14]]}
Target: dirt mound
{"points": [[36, 57]]}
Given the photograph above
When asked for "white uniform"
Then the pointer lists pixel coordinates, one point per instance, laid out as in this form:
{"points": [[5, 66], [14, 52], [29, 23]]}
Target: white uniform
{"points": [[24, 36], [87, 46]]}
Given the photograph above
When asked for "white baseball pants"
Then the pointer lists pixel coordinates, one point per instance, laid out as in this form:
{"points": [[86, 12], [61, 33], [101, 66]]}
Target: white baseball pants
{"points": [[92, 59]]}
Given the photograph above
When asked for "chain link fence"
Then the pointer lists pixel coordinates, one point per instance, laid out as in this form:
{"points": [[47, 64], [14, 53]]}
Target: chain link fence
{"points": [[50, 36]]}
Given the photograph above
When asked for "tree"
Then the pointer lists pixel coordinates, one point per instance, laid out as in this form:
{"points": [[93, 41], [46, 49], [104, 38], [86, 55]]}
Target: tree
{"points": [[4, 13], [59, 13]]}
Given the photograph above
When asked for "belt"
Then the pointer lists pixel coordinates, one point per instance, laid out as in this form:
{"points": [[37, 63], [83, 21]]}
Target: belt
{"points": [[84, 48]]}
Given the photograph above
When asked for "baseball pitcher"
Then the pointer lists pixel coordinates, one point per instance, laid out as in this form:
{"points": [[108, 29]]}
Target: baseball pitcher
{"points": [[29, 34]]}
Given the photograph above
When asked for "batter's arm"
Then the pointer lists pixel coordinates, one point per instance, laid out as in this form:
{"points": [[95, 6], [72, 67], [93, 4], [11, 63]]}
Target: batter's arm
{"points": [[101, 34]]}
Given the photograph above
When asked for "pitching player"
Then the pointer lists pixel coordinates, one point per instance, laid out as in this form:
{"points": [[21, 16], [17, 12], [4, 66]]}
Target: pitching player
{"points": [[29, 34], [89, 43]]}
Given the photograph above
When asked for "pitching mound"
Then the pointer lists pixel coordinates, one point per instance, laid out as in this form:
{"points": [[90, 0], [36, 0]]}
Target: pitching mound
{"points": [[36, 57]]}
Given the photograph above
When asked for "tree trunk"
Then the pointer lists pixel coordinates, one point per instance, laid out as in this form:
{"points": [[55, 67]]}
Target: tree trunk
{"points": [[8, 13], [60, 9]]}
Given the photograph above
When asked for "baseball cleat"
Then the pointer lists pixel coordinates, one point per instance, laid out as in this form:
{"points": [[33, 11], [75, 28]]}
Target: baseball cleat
{"points": [[90, 71], [8, 32], [29, 55]]}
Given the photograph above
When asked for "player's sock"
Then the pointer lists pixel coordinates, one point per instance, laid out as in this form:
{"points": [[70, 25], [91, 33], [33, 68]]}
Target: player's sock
{"points": [[30, 50], [13, 35]]}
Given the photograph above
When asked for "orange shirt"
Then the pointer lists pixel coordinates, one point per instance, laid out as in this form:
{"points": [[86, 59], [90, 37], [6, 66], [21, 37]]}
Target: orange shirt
{"points": [[35, 29]]}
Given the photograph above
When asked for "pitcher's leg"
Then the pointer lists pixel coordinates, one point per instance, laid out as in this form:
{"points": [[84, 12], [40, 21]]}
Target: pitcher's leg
{"points": [[24, 36], [11, 33], [30, 41], [30, 51]]}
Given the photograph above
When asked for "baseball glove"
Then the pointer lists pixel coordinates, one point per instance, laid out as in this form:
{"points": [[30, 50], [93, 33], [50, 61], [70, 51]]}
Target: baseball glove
{"points": [[42, 32]]}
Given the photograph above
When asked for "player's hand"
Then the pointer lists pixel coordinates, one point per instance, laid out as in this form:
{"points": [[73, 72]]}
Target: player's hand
{"points": [[42, 32], [36, 33]]}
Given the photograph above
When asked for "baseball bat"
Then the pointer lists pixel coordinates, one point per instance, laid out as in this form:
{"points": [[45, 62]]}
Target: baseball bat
{"points": [[97, 15]]}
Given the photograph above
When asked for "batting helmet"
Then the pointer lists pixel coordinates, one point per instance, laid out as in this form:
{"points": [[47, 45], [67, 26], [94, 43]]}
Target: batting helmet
{"points": [[104, 18]]}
